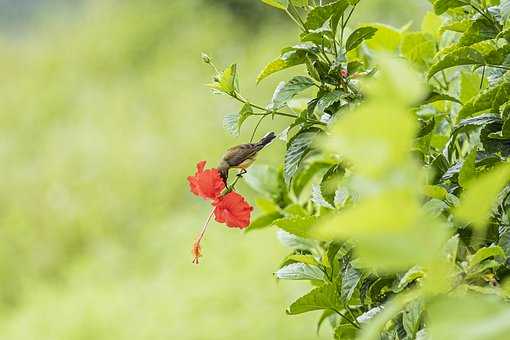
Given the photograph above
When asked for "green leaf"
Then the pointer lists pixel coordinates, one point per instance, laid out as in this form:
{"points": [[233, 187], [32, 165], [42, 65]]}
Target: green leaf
{"points": [[410, 276], [227, 80], [468, 169], [358, 36], [307, 259], [345, 331], [295, 242], [492, 98], [451, 247], [411, 318], [419, 48], [330, 182], [436, 97], [485, 253], [280, 4], [296, 225], [324, 297], [299, 3], [480, 195], [479, 30], [299, 271], [435, 191], [386, 38], [263, 221], [469, 85], [468, 317], [233, 122], [350, 280], [263, 179], [297, 149], [320, 14], [286, 91], [441, 6], [288, 59], [457, 57], [327, 100], [307, 174], [457, 26], [431, 24]]}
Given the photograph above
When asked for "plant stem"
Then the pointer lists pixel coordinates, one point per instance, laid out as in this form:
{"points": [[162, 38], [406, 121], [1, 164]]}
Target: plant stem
{"points": [[346, 318], [256, 127], [483, 76]]}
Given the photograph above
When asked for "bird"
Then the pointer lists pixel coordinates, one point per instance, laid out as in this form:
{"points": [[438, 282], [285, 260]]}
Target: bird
{"points": [[242, 156]]}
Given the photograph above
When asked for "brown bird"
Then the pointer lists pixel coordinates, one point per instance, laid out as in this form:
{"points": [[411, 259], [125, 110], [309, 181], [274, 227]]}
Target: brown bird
{"points": [[242, 156]]}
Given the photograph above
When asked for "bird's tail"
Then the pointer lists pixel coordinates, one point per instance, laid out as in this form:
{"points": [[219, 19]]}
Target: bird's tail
{"points": [[267, 139]]}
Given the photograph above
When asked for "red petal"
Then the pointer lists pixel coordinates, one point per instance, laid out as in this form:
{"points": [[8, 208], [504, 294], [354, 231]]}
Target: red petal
{"points": [[206, 184], [233, 210]]}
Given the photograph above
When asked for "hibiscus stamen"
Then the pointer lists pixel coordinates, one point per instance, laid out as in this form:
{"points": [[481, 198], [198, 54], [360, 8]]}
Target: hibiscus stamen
{"points": [[196, 250]]}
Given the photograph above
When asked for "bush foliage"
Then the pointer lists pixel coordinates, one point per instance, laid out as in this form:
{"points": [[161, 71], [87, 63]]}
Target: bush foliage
{"points": [[393, 194]]}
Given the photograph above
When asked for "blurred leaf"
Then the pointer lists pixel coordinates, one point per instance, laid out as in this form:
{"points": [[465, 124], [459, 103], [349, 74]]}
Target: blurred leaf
{"points": [[410, 276], [358, 36], [417, 47], [469, 317], [435, 191], [263, 179], [386, 38], [480, 195], [431, 24], [330, 182], [299, 3], [299, 271], [306, 174], [324, 297], [233, 122], [227, 80]]}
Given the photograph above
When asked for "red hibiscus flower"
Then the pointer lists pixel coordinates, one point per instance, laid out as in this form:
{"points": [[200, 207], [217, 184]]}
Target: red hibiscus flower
{"points": [[233, 210], [206, 184]]}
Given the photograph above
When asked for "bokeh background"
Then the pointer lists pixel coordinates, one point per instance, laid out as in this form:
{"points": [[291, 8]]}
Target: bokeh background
{"points": [[103, 115]]}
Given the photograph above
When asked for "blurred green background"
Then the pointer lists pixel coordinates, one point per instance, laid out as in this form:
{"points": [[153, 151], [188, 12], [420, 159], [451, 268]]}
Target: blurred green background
{"points": [[104, 114]]}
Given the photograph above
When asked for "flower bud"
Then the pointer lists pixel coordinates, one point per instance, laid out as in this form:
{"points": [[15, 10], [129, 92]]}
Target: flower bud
{"points": [[205, 58]]}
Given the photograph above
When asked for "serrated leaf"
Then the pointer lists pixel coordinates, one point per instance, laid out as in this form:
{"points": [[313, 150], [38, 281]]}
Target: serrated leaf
{"points": [[295, 242], [286, 91], [280, 4], [324, 297], [296, 150], [350, 280], [411, 318], [296, 225], [299, 271], [327, 100], [320, 14], [492, 98], [479, 30], [480, 195], [358, 36], [457, 57]]}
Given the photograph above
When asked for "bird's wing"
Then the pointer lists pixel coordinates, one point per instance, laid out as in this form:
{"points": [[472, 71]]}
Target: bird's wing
{"points": [[238, 154]]}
